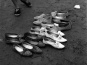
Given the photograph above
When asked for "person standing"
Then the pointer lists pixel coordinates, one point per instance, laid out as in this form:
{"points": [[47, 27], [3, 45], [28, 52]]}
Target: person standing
{"points": [[17, 11]]}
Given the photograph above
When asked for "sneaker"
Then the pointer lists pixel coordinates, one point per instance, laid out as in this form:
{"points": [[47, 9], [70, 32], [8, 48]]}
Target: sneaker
{"points": [[53, 43], [22, 51], [32, 48], [17, 12]]}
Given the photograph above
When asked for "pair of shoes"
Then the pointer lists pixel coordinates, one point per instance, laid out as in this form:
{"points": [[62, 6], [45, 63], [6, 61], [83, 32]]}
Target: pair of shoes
{"points": [[38, 30], [62, 27], [53, 43], [43, 18], [59, 15], [12, 38], [27, 49], [21, 50], [31, 36], [32, 48], [56, 37]]}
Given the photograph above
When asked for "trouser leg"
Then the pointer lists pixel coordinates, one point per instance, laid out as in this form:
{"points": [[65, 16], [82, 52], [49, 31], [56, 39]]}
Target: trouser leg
{"points": [[15, 2]]}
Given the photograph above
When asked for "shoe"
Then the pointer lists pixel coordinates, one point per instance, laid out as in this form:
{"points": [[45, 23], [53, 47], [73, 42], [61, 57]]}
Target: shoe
{"points": [[34, 32], [22, 51], [38, 31], [14, 41], [53, 43], [11, 35], [66, 28], [40, 17], [39, 43], [62, 28], [63, 24], [35, 28], [27, 3], [17, 12], [12, 38], [32, 48], [56, 37], [53, 14], [39, 21]]}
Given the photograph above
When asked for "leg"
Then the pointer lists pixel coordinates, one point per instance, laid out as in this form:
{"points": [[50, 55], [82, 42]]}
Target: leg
{"points": [[15, 2], [17, 8], [26, 2]]}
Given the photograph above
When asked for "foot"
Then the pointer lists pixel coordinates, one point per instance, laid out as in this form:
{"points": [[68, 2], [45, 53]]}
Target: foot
{"points": [[27, 3], [17, 12]]}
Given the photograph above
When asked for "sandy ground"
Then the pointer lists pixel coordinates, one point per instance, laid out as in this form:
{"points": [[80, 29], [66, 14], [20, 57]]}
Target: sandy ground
{"points": [[75, 52]]}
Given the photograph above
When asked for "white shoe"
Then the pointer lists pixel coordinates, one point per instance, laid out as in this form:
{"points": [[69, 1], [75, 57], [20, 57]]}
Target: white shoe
{"points": [[53, 14], [56, 37], [60, 33], [54, 44], [41, 16], [27, 46], [39, 21], [58, 17], [59, 39]]}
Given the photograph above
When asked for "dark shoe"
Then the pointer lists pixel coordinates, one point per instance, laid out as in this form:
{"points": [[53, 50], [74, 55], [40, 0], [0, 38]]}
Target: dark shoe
{"points": [[17, 12], [68, 27], [22, 51], [27, 3], [63, 24], [13, 38], [39, 43], [32, 48]]}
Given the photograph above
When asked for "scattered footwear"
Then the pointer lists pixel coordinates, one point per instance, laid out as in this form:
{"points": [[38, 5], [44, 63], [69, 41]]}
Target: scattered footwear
{"points": [[47, 30]]}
